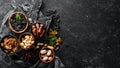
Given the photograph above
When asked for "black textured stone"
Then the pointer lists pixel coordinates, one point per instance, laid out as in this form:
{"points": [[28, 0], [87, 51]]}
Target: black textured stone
{"points": [[90, 30]]}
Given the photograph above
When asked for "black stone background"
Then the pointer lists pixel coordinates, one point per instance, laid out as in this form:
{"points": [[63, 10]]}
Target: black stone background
{"points": [[90, 30]]}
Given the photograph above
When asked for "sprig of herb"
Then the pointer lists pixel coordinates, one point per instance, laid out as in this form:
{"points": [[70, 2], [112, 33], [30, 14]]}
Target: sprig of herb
{"points": [[52, 40], [18, 17]]}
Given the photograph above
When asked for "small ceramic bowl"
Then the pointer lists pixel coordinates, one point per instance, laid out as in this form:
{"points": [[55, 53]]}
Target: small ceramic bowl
{"points": [[46, 55], [9, 44], [18, 26], [26, 40]]}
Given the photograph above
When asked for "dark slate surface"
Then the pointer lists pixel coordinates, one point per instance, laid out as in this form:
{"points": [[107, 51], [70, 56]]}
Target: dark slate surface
{"points": [[90, 30]]}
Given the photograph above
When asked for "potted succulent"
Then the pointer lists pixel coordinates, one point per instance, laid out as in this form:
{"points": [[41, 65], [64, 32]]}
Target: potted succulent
{"points": [[18, 22]]}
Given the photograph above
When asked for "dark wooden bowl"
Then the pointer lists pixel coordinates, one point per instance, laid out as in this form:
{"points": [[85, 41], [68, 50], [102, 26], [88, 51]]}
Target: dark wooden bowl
{"points": [[52, 55], [10, 25], [2, 41], [23, 35], [38, 34]]}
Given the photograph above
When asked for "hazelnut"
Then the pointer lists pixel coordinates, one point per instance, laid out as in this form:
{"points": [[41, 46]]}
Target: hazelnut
{"points": [[34, 30], [33, 26], [50, 58]]}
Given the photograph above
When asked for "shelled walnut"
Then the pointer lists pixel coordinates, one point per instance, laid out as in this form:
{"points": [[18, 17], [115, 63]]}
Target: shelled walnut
{"points": [[9, 44]]}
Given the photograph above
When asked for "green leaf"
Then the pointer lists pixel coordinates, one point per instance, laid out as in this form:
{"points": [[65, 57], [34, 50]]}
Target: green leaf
{"points": [[51, 40], [18, 17], [51, 43]]}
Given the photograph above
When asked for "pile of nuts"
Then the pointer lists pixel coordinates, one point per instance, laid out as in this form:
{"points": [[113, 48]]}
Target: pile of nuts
{"points": [[46, 55], [26, 41], [38, 29], [9, 45], [18, 22]]}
